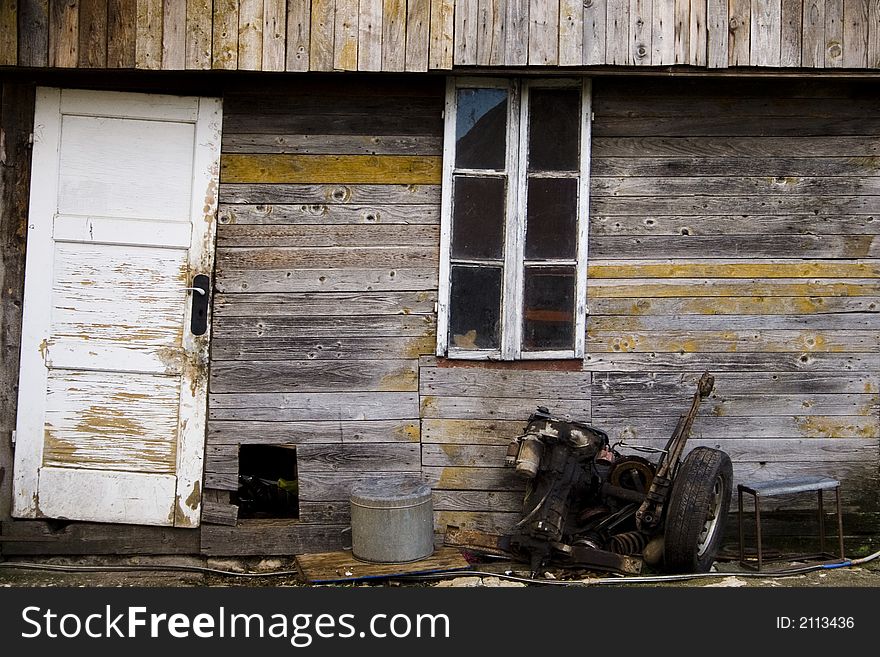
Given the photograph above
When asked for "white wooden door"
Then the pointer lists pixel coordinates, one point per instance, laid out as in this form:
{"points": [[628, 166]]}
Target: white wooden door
{"points": [[113, 382]]}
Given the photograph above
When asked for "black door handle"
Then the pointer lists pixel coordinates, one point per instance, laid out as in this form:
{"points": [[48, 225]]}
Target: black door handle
{"points": [[199, 320]]}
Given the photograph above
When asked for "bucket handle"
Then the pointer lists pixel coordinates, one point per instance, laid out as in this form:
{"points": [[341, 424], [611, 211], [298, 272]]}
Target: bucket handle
{"points": [[347, 530]]}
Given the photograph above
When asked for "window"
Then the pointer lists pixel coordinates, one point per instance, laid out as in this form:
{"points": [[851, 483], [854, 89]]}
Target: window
{"points": [[513, 263]]}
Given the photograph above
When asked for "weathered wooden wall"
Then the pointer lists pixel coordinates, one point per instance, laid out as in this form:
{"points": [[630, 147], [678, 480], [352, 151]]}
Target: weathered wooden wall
{"points": [[421, 35], [327, 256], [733, 229]]}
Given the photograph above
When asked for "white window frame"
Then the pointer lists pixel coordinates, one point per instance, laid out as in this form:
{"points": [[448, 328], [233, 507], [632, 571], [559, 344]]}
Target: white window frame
{"points": [[515, 223]]}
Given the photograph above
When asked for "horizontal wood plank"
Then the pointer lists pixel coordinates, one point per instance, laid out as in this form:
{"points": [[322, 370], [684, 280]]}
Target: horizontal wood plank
{"points": [[731, 287], [359, 457], [305, 194], [318, 169], [316, 144], [788, 225], [336, 486], [271, 327], [262, 538], [250, 432], [349, 236], [321, 349], [312, 214], [341, 406], [328, 280], [499, 407], [310, 304], [475, 382], [824, 321], [744, 405], [794, 146], [754, 340], [314, 376], [644, 184], [93, 538], [701, 205], [498, 433], [740, 450], [732, 246], [742, 362], [732, 306], [702, 172], [684, 383], [719, 268]]}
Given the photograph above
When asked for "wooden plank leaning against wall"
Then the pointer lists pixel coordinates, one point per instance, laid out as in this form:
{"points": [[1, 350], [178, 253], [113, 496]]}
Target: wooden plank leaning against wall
{"points": [[326, 284]]}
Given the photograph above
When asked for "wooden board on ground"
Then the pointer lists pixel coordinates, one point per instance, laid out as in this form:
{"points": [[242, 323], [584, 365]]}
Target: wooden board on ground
{"points": [[343, 567]]}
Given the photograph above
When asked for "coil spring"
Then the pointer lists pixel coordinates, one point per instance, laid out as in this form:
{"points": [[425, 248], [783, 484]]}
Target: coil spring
{"points": [[631, 543]]}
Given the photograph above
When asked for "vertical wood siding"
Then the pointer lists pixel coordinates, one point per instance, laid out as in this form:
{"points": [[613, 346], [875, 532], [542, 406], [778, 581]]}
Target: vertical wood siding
{"points": [[420, 35]]}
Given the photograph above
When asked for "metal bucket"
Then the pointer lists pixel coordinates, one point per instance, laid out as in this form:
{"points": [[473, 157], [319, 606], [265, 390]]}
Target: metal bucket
{"points": [[392, 521]]}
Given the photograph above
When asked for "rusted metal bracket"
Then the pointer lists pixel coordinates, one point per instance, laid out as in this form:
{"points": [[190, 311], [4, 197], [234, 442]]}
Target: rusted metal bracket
{"points": [[651, 511], [563, 555]]}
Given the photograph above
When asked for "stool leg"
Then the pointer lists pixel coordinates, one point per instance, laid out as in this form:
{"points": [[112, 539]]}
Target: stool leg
{"points": [[742, 553], [839, 523], [821, 525], [758, 529]]}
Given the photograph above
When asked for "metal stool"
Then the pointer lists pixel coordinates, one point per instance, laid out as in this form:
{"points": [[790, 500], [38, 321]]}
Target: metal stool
{"points": [[785, 487]]}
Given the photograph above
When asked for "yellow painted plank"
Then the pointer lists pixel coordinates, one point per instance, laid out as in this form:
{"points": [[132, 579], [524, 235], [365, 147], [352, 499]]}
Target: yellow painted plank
{"points": [[354, 169], [736, 269], [648, 288]]}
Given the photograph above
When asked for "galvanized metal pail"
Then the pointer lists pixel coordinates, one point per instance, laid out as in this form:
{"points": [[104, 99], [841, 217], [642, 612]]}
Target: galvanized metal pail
{"points": [[392, 521]]}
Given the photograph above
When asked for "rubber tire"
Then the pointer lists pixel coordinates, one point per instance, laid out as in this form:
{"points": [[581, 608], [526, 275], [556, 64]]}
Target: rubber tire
{"points": [[689, 507]]}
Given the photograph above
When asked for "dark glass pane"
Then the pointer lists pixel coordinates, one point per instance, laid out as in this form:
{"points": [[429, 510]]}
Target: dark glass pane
{"points": [[477, 217], [548, 312], [551, 220], [475, 308], [554, 135], [481, 128]]}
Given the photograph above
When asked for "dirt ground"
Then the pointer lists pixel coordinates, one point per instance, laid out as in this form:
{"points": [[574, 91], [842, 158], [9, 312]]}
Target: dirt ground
{"points": [[13, 573]]}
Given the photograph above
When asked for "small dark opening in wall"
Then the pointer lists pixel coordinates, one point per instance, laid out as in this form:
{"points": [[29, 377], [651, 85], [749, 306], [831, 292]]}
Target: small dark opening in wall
{"points": [[268, 486]]}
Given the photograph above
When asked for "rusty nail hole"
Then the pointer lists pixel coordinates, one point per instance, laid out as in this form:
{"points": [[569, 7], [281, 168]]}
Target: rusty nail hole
{"points": [[322, 278]]}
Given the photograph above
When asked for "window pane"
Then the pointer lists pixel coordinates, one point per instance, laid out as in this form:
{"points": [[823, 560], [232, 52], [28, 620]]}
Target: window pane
{"points": [[481, 128], [551, 228], [478, 218], [548, 308], [475, 308], [554, 135]]}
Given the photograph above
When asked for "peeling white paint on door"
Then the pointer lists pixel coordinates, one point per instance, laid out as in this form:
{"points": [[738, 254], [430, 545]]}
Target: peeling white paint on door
{"points": [[113, 385]]}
